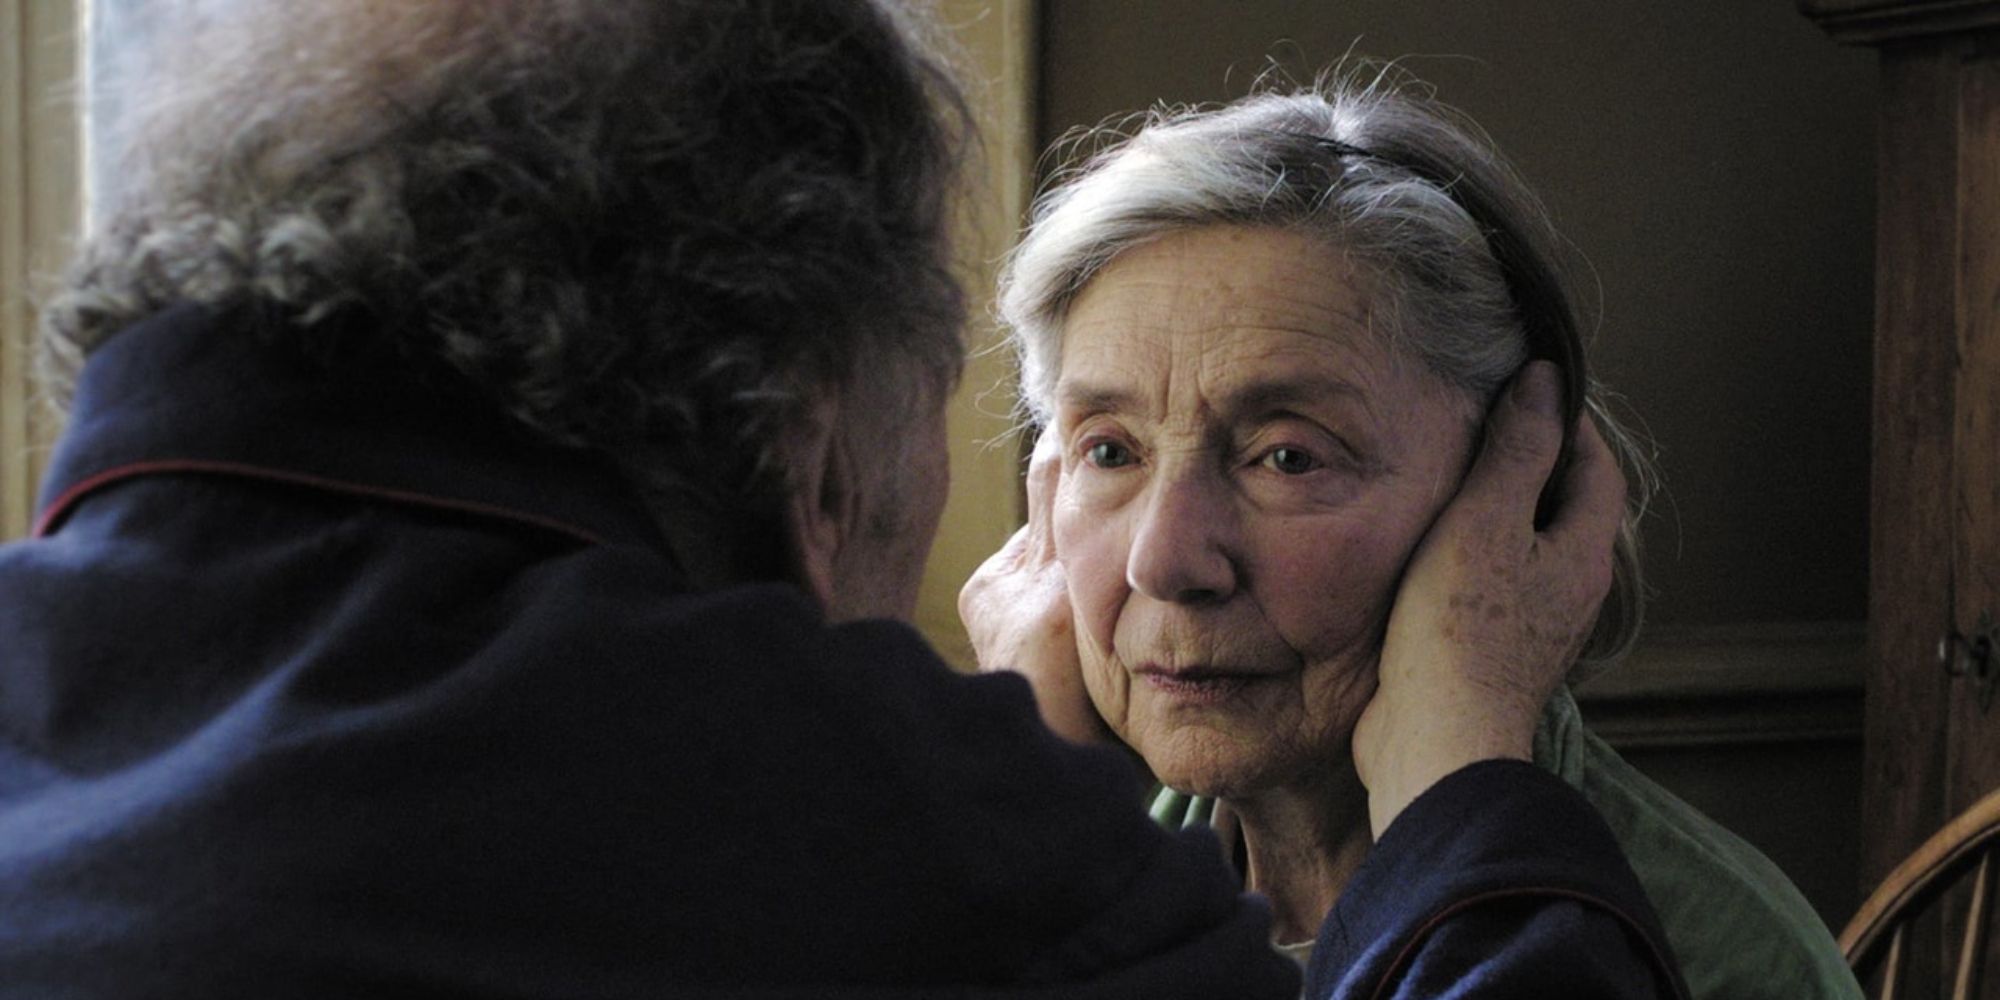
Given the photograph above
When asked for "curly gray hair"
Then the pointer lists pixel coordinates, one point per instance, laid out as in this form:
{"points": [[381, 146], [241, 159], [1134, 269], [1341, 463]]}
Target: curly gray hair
{"points": [[1465, 260], [659, 229]]}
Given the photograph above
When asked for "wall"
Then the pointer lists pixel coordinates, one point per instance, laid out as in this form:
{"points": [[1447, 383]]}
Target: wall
{"points": [[39, 198], [1713, 161], [997, 38]]}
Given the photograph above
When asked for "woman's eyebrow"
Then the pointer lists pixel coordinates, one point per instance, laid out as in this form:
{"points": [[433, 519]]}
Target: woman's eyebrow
{"points": [[1087, 398], [1255, 398]]}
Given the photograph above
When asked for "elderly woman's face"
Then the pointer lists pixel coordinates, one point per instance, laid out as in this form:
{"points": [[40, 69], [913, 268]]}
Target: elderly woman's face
{"points": [[1247, 465]]}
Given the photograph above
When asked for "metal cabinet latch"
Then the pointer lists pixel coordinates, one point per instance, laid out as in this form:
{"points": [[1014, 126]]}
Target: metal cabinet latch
{"points": [[1972, 656]]}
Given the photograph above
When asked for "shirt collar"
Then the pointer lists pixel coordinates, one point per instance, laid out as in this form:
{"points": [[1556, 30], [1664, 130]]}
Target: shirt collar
{"points": [[191, 390]]}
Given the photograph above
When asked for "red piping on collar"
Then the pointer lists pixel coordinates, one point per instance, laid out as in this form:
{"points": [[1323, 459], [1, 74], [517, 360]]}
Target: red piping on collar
{"points": [[63, 504], [1408, 952]]}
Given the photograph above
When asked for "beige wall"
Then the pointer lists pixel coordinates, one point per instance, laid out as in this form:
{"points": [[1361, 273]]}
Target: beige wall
{"points": [[39, 199], [999, 41]]}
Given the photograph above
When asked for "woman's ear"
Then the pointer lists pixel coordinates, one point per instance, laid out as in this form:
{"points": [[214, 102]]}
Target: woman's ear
{"points": [[818, 513]]}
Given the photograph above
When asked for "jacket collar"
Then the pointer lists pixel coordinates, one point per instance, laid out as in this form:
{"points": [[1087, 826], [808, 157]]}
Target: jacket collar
{"points": [[195, 391]]}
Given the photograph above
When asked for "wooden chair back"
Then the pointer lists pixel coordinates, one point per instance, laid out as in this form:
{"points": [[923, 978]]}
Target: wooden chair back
{"points": [[1877, 940]]}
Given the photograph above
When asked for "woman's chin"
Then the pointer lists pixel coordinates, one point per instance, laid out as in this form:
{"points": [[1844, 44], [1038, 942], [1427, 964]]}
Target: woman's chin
{"points": [[1211, 775]]}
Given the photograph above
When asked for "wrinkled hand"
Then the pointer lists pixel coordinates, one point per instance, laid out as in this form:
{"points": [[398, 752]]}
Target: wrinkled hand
{"points": [[1016, 610], [1491, 613]]}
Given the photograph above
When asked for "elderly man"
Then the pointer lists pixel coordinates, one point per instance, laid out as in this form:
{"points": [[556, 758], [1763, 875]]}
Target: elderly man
{"points": [[508, 434]]}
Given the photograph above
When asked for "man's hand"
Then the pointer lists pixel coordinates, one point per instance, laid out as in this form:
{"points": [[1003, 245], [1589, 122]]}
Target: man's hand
{"points": [[1491, 613], [1016, 610]]}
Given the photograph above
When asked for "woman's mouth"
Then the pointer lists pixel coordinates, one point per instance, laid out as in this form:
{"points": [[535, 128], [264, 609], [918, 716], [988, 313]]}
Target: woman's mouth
{"points": [[1196, 686]]}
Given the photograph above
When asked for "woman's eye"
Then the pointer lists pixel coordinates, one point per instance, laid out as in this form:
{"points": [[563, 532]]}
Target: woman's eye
{"points": [[1109, 455], [1291, 461]]}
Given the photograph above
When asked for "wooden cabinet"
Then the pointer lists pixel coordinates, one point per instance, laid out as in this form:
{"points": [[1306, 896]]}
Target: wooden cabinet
{"points": [[1932, 728]]}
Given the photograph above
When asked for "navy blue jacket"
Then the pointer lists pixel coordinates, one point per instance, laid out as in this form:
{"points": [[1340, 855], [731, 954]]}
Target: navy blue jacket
{"points": [[321, 683]]}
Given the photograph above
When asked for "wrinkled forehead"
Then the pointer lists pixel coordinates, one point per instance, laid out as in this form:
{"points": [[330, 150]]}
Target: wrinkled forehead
{"points": [[1225, 313]]}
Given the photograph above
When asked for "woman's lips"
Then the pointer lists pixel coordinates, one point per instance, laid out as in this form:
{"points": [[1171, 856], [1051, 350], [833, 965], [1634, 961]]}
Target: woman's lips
{"points": [[1197, 685]]}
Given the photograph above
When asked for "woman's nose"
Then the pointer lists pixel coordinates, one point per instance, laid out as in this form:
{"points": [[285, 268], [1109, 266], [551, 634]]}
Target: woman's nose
{"points": [[1181, 549]]}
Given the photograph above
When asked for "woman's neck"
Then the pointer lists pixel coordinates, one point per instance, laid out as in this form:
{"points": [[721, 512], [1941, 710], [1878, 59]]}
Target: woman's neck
{"points": [[1302, 844]]}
